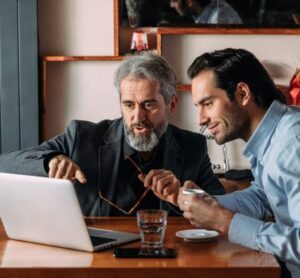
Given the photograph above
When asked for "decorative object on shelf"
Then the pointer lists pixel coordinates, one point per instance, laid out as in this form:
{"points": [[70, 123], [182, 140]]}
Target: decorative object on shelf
{"points": [[294, 89], [139, 41]]}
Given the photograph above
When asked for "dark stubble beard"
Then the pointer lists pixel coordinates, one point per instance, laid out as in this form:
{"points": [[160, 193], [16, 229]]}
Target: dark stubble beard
{"points": [[236, 126], [144, 143]]}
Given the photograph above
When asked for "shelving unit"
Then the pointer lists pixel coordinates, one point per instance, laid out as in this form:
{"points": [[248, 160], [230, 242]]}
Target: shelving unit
{"points": [[60, 59], [178, 45], [156, 36], [163, 33]]}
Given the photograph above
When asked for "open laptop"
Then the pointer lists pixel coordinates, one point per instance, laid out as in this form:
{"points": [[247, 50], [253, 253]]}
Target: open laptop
{"points": [[47, 211]]}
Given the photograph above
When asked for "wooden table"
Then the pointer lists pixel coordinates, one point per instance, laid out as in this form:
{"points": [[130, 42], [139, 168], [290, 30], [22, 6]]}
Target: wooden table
{"points": [[217, 258]]}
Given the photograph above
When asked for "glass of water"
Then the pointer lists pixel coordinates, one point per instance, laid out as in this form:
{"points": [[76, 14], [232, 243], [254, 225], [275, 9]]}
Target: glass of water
{"points": [[152, 224]]}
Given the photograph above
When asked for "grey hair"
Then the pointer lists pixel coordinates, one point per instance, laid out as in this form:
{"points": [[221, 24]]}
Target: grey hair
{"points": [[151, 67]]}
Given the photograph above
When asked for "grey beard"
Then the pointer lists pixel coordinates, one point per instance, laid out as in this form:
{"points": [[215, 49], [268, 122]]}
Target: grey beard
{"points": [[144, 143]]}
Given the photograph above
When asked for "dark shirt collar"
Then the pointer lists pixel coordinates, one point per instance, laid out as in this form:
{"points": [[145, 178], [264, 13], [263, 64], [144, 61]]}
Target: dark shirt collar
{"points": [[129, 151]]}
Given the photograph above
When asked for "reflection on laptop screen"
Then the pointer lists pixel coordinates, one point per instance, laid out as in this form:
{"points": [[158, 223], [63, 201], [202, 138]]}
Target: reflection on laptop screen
{"points": [[47, 211]]}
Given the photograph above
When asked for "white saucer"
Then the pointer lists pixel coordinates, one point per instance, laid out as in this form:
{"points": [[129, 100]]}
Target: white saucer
{"points": [[197, 235]]}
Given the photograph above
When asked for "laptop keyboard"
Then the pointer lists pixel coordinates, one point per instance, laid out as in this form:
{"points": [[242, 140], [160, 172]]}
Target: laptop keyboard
{"points": [[100, 240]]}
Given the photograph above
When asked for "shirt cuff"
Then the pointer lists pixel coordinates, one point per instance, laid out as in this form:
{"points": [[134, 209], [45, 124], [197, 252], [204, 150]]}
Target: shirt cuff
{"points": [[243, 230]]}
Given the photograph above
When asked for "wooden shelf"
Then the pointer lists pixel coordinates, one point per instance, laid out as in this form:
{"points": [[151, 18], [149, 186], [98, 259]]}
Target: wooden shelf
{"points": [[80, 58], [155, 34], [183, 87], [163, 31], [227, 30]]}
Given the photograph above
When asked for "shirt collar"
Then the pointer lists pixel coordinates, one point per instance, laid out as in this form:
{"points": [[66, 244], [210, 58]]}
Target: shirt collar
{"points": [[129, 151], [259, 141]]}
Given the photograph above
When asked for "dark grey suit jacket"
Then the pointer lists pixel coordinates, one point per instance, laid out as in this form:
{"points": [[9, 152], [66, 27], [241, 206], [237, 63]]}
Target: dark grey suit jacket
{"points": [[98, 148]]}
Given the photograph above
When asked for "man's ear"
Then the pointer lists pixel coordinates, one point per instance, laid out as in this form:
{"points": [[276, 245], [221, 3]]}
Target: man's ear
{"points": [[243, 93], [172, 104]]}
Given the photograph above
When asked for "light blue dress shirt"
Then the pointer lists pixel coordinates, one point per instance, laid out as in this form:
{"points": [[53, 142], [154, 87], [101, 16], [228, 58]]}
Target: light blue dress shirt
{"points": [[274, 155]]}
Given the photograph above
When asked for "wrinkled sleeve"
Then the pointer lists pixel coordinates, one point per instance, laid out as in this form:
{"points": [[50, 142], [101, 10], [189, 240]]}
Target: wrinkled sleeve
{"points": [[281, 238], [34, 160], [277, 239], [251, 201]]}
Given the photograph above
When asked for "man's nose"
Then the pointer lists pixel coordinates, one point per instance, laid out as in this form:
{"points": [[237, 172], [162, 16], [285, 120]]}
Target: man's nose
{"points": [[139, 114], [202, 117]]}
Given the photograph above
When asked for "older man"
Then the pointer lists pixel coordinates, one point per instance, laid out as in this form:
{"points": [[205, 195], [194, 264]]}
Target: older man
{"points": [[137, 161], [237, 98]]}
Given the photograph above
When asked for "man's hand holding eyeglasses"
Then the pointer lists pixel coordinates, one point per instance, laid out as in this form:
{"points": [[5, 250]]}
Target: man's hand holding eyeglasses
{"points": [[163, 183], [62, 167]]}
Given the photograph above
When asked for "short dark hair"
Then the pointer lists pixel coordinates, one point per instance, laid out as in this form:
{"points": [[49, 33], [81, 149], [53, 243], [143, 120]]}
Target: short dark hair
{"points": [[231, 66]]}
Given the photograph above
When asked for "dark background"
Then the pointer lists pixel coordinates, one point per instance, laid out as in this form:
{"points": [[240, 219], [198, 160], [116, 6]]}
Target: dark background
{"points": [[254, 13]]}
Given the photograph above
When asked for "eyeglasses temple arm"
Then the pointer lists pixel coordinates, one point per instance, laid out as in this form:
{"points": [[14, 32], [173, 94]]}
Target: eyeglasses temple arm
{"points": [[140, 199], [112, 204]]}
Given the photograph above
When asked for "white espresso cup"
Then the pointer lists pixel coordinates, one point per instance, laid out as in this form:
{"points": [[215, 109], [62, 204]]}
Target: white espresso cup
{"points": [[196, 191]]}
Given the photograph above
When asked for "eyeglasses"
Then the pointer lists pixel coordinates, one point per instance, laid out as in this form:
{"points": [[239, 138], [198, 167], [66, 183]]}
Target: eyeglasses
{"points": [[138, 201]]}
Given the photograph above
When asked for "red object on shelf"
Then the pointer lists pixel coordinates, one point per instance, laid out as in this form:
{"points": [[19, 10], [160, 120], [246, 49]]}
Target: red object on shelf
{"points": [[294, 89], [139, 41]]}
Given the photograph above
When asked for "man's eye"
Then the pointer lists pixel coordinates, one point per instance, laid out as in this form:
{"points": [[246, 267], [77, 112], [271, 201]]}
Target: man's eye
{"points": [[149, 105], [208, 104], [128, 105]]}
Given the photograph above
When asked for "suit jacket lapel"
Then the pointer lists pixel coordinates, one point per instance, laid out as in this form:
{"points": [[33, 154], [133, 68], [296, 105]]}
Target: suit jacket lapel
{"points": [[173, 158], [110, 154], [173, 161], [109, 161], [112, 182]]}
